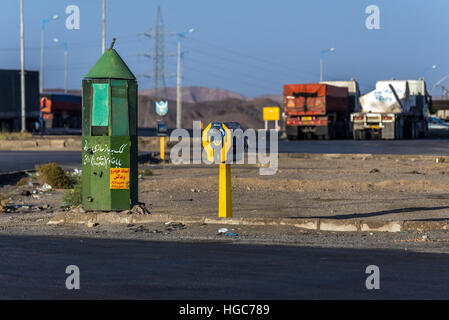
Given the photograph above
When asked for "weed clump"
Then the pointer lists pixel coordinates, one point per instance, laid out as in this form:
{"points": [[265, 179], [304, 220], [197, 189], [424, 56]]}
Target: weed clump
{"points": [[146, 172], [23, 181], [73, 197], [53, 174], [4, 135], [3, 202]]}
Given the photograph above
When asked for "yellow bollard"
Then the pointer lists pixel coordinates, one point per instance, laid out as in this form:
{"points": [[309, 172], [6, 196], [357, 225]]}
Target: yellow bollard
{"points": [[162, 147], [225, 192]]}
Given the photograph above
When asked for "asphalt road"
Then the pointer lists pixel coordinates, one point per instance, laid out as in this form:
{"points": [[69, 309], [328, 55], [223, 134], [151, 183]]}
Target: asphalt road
{"points": [[25, 160], [34, 267], [420, 146]]}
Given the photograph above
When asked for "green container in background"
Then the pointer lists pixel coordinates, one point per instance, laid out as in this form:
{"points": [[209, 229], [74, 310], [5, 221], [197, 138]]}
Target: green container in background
{"points": [[109, 129]]}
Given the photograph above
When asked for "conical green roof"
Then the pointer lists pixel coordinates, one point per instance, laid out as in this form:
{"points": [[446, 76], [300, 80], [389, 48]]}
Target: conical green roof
{"points": [[110, 66]]}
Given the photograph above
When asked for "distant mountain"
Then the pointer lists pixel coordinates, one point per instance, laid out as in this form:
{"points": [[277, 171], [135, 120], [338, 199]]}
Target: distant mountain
{"points": [[196, 94], [247, 112], [201, 94], [59, 90], [277, 98], [439, 98]]}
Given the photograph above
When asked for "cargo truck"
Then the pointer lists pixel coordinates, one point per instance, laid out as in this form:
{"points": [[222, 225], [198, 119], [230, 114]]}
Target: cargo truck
{"points": [[61, 110], [10, 104], [396, 109], [316, 110], [353, 91], [354, 95]]}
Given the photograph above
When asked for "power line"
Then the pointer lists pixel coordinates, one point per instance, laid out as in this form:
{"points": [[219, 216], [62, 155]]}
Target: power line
{"points": [[259, 67], [215, 75], [157, 53], [254, 79], [75, 45], [255, 82], [158, 58], [249, 56]]}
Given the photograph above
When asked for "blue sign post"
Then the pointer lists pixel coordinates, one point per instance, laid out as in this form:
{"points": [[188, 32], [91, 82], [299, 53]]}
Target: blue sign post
{"points": [[161, 108]]}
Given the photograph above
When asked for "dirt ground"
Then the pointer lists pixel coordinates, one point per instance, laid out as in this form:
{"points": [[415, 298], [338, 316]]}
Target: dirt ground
{"points": [[368, 188], [377, 188]]}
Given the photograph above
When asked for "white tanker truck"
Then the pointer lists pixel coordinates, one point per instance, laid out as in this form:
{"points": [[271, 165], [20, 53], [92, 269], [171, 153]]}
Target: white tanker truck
{"points": [[396, 109]]}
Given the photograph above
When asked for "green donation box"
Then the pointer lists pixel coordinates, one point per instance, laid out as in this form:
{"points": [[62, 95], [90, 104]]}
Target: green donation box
{"points": [[109, 142]]}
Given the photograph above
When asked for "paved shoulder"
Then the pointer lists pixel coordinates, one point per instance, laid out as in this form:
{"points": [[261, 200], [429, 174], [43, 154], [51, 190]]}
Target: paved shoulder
{"points": [[164, 270]]}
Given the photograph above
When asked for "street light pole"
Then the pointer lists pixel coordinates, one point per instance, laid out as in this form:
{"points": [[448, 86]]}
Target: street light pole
{"points": [[22, 70], [321, 68], [41, 72], [178, 81], [66, 63], [323, 52], [103, 41], [178, 90], [66, 67]]}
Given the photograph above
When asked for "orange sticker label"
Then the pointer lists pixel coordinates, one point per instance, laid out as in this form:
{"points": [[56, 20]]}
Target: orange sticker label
{"points": [[119, 178]]}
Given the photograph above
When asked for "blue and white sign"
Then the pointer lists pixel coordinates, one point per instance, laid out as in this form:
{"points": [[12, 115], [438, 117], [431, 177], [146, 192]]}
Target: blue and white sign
{"points": [[161, 108]]}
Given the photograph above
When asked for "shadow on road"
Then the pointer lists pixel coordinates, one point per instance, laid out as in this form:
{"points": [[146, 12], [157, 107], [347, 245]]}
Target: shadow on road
{"points": [[379, 213]]}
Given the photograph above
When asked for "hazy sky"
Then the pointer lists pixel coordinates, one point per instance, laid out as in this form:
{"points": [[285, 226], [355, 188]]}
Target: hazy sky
{"points": [[251, 47]]}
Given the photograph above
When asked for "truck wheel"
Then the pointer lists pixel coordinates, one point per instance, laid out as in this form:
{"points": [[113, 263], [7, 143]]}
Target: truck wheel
{"points": [[363, 135], [414, 131], [422, 133], [359, 135], [376, 135], [292, 132]]}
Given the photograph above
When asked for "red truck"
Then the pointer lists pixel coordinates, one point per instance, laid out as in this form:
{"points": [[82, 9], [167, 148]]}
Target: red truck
{"points": [[316, 110], [61, 110]]}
